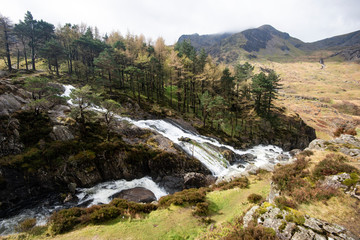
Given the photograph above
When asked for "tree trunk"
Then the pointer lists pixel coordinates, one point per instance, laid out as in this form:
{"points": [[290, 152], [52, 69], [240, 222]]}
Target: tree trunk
{"points": [[18, 59], [33, 55], [57, 67], [7, 48]]}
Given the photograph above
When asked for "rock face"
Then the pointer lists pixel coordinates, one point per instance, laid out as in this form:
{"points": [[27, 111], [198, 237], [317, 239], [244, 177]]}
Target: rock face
{"points": [[60, 132], [12, 98], [197, 180], [137, 194], [346, 144], [291, 224], [9, 136], [335, 181]]}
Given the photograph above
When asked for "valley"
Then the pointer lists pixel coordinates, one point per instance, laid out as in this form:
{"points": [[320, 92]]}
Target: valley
{"points": [[247, 135]]}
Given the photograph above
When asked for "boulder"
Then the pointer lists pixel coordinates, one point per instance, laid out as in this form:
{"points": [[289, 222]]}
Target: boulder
{"points": [[60, 132], [58, 114], [248, 157], [335, 181], [272, 217], [172, 184], [317, 144], [10, 103], [347, 139], [282, 157], [137, 194], [195, 180], [184, 139]]}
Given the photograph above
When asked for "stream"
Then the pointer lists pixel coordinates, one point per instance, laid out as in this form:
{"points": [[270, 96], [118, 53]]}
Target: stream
{"points": [[205, 149]]}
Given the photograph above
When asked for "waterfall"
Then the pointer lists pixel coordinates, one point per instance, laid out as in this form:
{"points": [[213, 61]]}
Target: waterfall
{"points": [[205, 149]]}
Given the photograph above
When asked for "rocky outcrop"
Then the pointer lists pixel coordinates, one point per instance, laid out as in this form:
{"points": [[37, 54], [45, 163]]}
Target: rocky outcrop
{"points": [[60, 132], [12, 98], [137, 194], [197, 180], [346, 144], [9, 136], [291, 224], [335, 181]]}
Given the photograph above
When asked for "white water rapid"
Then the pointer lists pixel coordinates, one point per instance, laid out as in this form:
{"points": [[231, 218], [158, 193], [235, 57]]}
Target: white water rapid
{"points": [[205, 149]]}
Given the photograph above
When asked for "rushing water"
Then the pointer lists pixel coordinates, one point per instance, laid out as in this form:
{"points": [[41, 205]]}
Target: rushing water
{"points": [[98, 194], [205, 149]]}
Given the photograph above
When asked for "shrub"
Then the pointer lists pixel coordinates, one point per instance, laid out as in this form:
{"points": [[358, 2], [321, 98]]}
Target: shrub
{"points": [[190, 196], [295, 217], [105, 213], [83, 156], [354, 178], [323, 193], [332, 165], [282, 226], [201, 209], [348, 108], [252, 232], [26, 225], [290, 176], [66, 219], [284, 202], [306, 153], [254, 198], [242, 182]]}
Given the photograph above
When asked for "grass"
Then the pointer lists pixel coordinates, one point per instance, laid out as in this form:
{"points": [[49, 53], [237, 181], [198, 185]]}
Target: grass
{"points": [[343, 210], [314, 93], [173, 222]]}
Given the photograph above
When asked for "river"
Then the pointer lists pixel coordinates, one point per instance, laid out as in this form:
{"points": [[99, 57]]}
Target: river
{"points": [[205, 149]]}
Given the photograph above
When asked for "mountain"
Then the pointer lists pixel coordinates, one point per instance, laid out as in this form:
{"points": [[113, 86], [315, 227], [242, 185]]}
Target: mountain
{"points": [[268, 42]]}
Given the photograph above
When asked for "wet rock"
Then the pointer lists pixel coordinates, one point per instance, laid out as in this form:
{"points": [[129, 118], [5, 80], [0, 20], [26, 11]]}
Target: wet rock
{"points": [[72, 187], [248, 157], [172, 184], [184, 139], [70, 198], [195, 180], [294, 152], [282, 157], [60, 132], [137, 194]]}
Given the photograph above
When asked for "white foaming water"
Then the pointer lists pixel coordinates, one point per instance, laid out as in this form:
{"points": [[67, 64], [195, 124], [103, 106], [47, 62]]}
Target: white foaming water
{"points": [[205, 149], [68, 89], [101, 193], [200, 146]]}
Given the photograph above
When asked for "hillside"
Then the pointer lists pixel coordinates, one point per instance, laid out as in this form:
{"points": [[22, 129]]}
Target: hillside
{"points": [[269, 43]]}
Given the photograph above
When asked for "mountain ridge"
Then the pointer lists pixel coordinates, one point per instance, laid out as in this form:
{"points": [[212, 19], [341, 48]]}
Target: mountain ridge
{"points": [[267, 42]]}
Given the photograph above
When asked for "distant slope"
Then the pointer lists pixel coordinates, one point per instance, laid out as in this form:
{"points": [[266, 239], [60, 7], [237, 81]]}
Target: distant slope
{"points": [[266, 42]]}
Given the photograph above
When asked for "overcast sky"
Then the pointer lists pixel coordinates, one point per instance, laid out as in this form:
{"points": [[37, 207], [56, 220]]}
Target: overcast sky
{"points": [[308, 20]]}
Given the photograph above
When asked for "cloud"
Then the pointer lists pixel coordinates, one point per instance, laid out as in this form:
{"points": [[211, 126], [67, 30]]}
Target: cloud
{"points": [[305, 19]]}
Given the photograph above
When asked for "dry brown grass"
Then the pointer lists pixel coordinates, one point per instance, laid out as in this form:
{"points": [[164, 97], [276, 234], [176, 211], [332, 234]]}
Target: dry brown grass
{"points": [[314, 93], [343, 210]]}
